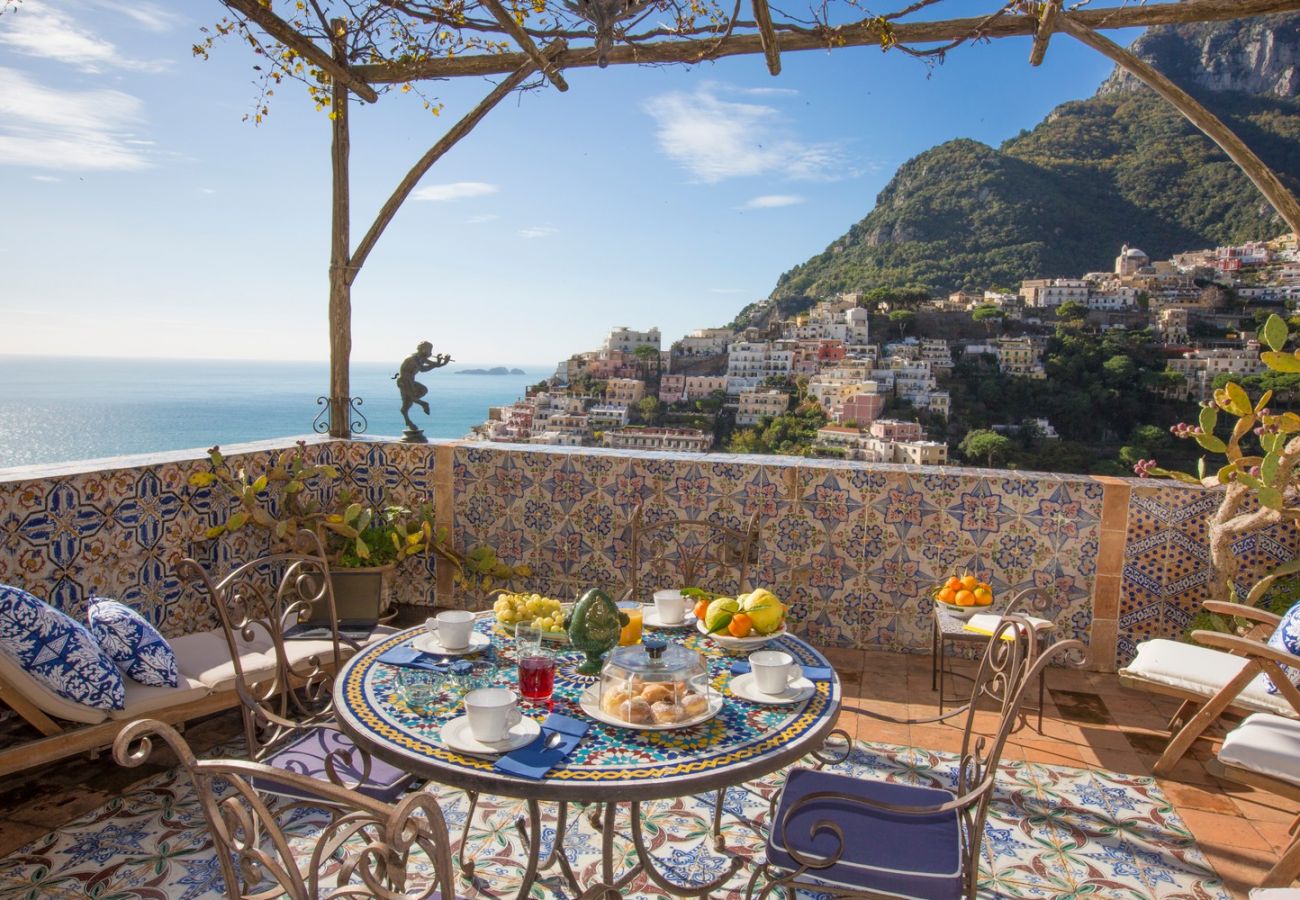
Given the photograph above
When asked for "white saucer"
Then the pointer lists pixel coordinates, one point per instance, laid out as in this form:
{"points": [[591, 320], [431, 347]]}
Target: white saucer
{"points": [[650, 618], [456, 735], [745, 687], [428, 643]]}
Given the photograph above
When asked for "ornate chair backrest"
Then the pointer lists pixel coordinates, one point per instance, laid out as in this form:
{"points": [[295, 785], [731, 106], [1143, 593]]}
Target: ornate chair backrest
{"points": [[680, 552], [1012, 661], [363, 847], [256, 603]]}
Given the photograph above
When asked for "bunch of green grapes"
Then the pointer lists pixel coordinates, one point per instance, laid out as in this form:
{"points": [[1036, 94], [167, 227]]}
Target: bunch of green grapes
{"points": [[544, 612]]}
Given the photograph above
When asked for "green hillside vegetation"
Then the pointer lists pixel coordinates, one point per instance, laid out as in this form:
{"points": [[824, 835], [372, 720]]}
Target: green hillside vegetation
{"points": [[1059, 200]]}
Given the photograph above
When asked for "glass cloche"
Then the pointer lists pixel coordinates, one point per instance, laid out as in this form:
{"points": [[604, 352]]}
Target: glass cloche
{"points": [[655, 683]]}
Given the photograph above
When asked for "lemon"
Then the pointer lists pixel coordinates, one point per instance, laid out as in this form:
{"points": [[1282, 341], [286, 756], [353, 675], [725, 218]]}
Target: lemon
{"points": [[719, 614], [766, 611]]}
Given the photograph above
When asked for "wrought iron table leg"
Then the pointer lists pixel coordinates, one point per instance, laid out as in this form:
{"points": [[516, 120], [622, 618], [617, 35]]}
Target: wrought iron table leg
{"points": [[935, 647], [718, 843], [533, 837], [466, 864]]}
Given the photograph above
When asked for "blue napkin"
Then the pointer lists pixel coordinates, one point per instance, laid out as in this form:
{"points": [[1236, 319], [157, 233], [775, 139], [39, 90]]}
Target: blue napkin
{"points": [[812, 673], [408, 657], [533, 761]]}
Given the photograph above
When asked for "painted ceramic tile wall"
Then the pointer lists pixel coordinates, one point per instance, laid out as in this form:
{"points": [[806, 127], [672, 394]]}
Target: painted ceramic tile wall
{"points": [[118, 531], [1167, 561], [853, 549]]}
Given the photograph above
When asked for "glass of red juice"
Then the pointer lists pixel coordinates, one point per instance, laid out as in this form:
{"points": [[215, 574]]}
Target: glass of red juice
{"points": [[536, 673]]}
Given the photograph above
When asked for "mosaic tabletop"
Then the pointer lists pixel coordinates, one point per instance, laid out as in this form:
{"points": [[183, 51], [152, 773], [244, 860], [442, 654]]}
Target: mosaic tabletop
{"points": [[744, 741]]}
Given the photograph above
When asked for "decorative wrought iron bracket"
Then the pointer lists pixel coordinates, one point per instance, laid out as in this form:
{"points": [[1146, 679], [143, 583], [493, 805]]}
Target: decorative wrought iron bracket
{"points": [[357, 423]]}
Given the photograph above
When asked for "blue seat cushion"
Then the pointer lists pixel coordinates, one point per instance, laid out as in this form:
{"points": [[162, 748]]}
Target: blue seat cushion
{"points": [[132, 643], [1286, 637], [58, 651], [306, 756], [887, 853]]}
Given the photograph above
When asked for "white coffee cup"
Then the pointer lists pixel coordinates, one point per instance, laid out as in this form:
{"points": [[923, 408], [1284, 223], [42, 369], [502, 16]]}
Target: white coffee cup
{"points": [[453, 628], [773, 670], [670, 607], [492, 712]]}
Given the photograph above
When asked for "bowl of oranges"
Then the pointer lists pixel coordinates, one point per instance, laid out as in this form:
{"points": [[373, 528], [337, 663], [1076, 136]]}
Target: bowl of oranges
{"points": [[963, 595]]}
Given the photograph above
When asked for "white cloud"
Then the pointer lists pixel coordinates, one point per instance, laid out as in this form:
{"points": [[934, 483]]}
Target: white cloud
{"points": [[207, 190], [772, 201], [456, 190], [68, 130], [482, 218], [717, 139], [36, 30], [538, 231], [147, 15], [45, 178]]}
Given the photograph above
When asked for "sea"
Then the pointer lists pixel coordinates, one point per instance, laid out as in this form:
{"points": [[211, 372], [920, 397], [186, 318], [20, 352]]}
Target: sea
{"points": [[56, 409]]}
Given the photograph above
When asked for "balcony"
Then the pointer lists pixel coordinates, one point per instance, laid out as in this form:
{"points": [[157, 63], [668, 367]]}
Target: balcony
{"points": [[853, 547]]}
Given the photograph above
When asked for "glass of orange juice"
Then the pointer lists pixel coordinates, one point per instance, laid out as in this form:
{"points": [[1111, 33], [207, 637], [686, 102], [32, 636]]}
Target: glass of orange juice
{"points": [[631, 633]]}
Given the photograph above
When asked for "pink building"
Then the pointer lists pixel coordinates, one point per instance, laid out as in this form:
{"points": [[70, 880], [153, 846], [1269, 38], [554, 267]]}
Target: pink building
{"points": [[830, 351], [894, 430], [672, 388], [861, 408]]}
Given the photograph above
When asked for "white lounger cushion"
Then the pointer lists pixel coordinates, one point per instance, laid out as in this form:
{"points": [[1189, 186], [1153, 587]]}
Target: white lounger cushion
{"points": [[142, 699], [1200, 671], [1265, 744], [205, 657]]}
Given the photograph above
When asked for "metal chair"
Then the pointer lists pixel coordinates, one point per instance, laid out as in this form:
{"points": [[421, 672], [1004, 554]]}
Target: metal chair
{"points": [[364, 849], [679, 552], [857, 837], [285, 687], [945, 628], [1222, 674]]}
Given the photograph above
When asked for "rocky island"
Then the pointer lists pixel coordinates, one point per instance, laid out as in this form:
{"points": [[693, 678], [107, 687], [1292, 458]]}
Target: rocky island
{"points": [[495, 370]]}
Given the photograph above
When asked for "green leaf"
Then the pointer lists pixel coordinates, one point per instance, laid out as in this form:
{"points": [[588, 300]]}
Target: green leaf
{"points": [[328, 471], [1249, 481], [1238, 400], [363, 552], [1211, 443], [1225, 474], [1209, 418], [237, 521], [202, 479], [1287, 568], [352, 512], [1268, 468], [1281, 362], [1275, 332], [260, 484], [281, 530], [363, 521], [1270, 496], [1272, 443], [215, 531]]}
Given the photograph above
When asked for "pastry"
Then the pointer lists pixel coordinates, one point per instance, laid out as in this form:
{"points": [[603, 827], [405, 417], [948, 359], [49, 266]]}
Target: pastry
{"points": [[694, 705], [667, 713], [613, 700], [654, 693], [636, 711]]}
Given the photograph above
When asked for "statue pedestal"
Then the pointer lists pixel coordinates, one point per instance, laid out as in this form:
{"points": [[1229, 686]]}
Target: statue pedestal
{"points": [[413, 436]]}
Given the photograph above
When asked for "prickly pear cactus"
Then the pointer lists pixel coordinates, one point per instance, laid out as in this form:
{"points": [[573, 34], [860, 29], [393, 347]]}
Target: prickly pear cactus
{"points": [[594, 627]]}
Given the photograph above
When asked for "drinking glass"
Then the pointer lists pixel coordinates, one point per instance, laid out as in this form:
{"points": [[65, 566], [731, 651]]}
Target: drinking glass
{"points": [[631, 633], [536, 672], [421, 691]]}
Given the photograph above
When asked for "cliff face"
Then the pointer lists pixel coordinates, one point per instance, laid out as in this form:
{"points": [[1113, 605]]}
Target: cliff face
{"points": [[1258, 56], [1120, 167]]}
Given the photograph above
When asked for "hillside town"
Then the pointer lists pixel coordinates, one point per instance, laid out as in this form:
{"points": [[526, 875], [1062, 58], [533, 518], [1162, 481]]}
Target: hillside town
{"points": [[887, 399]]}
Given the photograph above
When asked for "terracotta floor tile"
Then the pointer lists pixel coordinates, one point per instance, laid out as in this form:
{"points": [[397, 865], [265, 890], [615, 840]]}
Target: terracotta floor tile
{"points": [[1221, 830], [1192, 796], [15, 834], [1240, 868], [1081, 706]]}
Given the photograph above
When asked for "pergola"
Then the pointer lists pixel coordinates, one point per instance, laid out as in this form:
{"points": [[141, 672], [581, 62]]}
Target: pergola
{"points": [[358, 48]]}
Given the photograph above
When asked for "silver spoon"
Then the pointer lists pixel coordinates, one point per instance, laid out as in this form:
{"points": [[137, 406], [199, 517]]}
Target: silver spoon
{"points": [[553, 740]]}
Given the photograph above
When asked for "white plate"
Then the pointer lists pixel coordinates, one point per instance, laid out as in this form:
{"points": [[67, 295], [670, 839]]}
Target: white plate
{"points": [[456, 735], [740, 644], [428, 643], [746, 688], [650, 618], [590, 703]]}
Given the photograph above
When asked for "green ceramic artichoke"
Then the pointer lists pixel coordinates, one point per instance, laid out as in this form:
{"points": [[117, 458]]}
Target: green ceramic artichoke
{"points": [[594, 627]]}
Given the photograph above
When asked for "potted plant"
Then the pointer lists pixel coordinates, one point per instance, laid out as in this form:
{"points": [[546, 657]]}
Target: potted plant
{"points": [[364, 543]]}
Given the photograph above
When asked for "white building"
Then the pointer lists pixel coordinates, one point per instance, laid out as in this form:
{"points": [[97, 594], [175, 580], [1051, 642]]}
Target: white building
{"points": [[755, 405], [687, 439], [1199, 368], [1049, 293], [624, 391], [608, 415], [750, 362], [624, 340], [705, 342]]}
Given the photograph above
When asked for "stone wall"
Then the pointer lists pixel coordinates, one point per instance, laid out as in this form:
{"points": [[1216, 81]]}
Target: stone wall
{"points": [[852, 547]]}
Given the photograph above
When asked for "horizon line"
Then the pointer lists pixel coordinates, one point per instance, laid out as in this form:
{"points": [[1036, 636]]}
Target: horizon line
{"points": [[249, 359]]}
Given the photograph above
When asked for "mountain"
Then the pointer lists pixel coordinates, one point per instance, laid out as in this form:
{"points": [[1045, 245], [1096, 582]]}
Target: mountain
{"points": [[1120, 167]]}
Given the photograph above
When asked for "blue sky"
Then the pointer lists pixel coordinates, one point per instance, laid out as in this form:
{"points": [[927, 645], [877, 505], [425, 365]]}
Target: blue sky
{"points": [[145, 219]]}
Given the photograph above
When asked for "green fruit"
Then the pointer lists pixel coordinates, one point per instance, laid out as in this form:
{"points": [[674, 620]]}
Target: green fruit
{"points": [[718, 616], [765, 609]]}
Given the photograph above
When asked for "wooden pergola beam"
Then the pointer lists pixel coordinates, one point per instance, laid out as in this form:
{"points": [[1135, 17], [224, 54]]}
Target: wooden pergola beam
{"points": [[1256, 170], [858, 34], [767, 35], [1046, 27], [516, 31], [283, 32]]}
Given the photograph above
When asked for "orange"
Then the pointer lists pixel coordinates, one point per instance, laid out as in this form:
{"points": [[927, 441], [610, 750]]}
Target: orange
{"points": [[983, 596], [947, 595], [740, 625], [969, 582], [702, 610], [954, 583], [983, 585], [965, 598]]}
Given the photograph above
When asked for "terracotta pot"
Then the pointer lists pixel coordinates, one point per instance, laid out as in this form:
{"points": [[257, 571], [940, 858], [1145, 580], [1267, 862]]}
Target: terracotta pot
{"points": [[361, 588]]}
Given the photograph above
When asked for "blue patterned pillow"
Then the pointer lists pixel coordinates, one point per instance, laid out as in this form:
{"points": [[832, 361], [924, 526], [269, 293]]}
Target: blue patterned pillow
{"points": [[57, 651], [132, 643], [1286, 637]]}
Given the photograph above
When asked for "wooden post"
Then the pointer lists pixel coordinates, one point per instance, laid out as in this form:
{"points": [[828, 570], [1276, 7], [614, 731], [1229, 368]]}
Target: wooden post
{"points": [[763, 18], [1274, 191], [340, 309], [1046, 25]]}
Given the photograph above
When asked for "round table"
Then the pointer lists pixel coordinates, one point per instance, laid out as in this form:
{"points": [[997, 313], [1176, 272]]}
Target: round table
{"points": [[612, 765]]}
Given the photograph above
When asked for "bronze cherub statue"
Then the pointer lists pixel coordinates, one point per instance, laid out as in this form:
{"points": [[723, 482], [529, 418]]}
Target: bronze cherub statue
{"points": [[422, 360]]}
